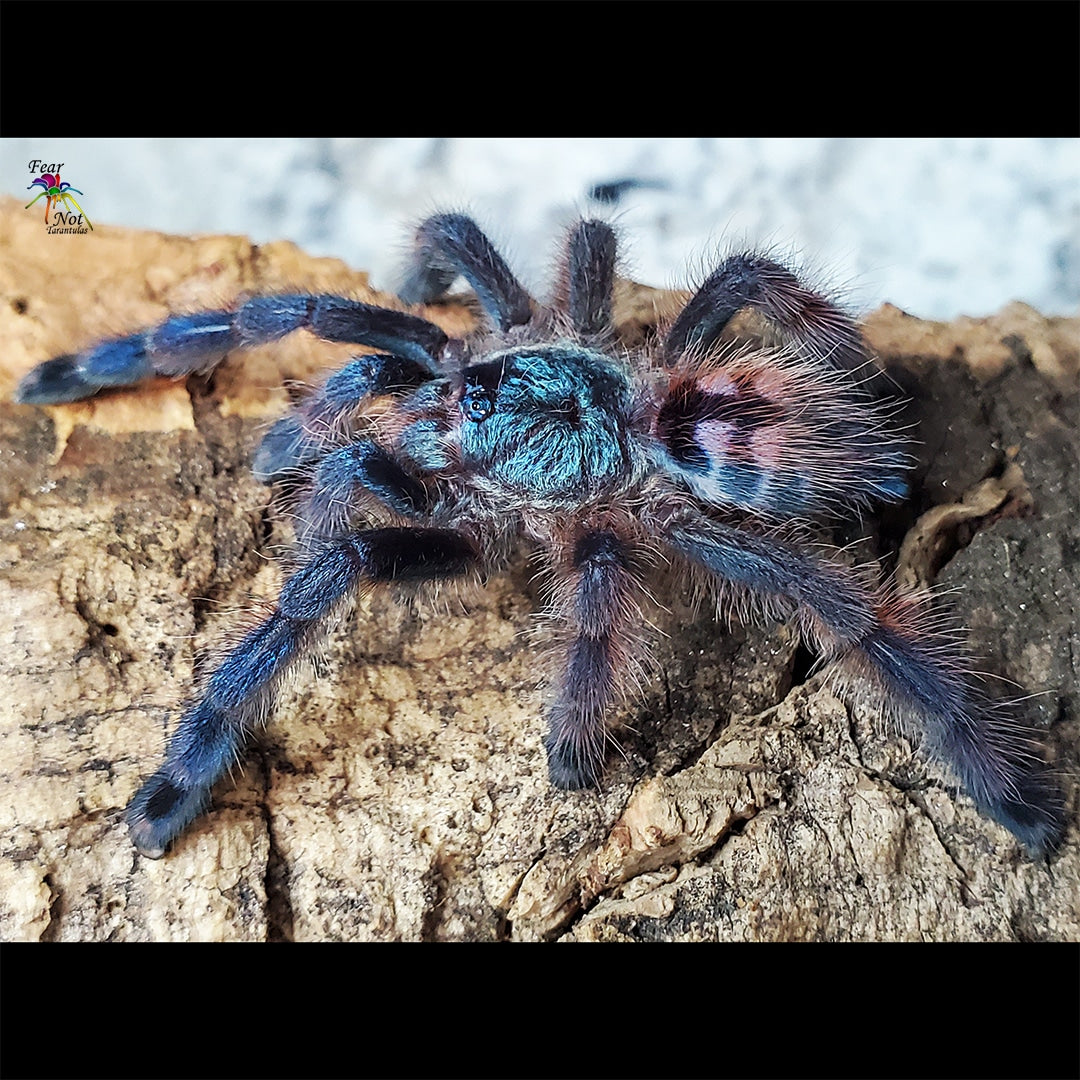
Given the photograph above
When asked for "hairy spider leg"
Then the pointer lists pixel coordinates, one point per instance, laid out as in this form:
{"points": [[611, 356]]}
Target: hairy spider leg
{"points": [[599, 603], [447, 246], [823, 329], [778, 435], [184, 344], [241, 692], [302, 435], [341, 480], [995, 760], [585, 287]]}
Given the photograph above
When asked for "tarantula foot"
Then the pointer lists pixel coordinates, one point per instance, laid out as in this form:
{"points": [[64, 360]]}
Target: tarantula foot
{"points": [[566, 768], [54, 382], [160, 809], [1034, 812], [284, 447]]}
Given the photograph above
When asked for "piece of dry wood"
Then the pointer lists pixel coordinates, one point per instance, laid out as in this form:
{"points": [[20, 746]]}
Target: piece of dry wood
{"points": [[401, 792]]}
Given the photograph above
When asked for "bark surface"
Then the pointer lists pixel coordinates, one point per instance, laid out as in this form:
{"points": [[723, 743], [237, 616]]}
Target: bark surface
{"points": [[401, 791]]}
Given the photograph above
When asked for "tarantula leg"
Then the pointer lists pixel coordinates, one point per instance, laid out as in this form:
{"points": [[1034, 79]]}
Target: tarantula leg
{"points": [[362, 467], [587, 282], [884, 637], [184, 344], [303, 434], [776, 434], [599, 603], [740, 281], [241, 692], [447, 246]]}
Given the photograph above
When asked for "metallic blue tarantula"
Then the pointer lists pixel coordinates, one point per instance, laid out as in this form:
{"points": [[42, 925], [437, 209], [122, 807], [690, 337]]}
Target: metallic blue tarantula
{"points": [[428, 458]]}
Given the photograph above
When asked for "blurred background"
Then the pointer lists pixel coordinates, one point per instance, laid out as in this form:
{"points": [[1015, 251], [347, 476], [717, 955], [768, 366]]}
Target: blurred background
{"points": [[939, 227]]}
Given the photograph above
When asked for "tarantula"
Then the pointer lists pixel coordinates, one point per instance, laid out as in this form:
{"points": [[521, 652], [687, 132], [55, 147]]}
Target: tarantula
{"points": [[428, 458]]}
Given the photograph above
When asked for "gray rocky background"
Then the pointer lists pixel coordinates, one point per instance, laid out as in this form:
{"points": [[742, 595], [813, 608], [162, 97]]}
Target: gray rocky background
{"points": [[939, 227]]}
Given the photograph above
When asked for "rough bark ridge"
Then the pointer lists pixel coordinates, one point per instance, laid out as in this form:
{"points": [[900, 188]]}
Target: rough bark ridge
{"points": [[401, 792]]}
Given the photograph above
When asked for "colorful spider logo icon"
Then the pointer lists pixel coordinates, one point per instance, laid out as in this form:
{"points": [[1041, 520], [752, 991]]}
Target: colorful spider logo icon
{"points": [[55, 191]]}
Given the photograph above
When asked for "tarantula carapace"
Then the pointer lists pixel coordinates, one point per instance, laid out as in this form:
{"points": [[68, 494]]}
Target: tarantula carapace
{"points": [[427, 458]]}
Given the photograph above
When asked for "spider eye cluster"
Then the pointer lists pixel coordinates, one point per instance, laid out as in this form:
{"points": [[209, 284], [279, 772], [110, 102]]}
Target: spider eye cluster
{"points": [[476, 404]]}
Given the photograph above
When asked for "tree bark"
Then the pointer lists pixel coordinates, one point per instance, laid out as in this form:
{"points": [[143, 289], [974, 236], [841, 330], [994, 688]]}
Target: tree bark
{"points": [[401, 790]]}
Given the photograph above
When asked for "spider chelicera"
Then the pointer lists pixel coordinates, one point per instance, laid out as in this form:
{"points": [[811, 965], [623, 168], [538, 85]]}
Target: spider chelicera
{"points": [[429, 457]]}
